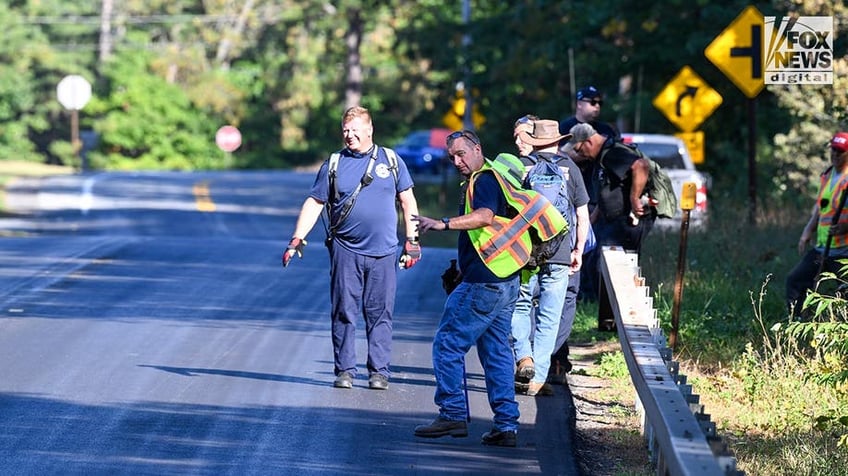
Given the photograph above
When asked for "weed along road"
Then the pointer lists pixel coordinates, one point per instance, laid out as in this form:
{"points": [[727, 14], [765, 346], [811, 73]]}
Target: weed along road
{"points": [[148, 327]]}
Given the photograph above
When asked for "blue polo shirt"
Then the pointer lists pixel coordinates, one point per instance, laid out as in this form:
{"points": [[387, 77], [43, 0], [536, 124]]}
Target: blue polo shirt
{"points": [[371, 227]]}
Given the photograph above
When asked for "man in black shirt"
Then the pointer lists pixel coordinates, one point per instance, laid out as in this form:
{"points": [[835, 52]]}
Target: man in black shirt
{"points": [[619, 180], [587, 109]]}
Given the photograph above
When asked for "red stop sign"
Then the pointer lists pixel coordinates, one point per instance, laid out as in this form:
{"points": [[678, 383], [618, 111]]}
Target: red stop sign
{"points": [[228, 138]]}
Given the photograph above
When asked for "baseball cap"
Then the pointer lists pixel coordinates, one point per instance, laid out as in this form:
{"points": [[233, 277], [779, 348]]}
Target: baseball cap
{"points": [[839, 141], [588, 92], [579, 133]]}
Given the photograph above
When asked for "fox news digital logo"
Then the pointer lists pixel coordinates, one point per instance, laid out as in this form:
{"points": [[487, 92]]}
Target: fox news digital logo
{"points": [[798, 51]]}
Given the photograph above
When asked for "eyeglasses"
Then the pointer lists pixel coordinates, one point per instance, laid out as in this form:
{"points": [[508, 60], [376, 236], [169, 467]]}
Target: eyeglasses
{"points": [[470, 135], [579, 147], [594, 102]]}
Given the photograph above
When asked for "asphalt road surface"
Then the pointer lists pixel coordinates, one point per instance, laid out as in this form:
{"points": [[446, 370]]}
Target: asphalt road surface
{"points": [[147, 327]]}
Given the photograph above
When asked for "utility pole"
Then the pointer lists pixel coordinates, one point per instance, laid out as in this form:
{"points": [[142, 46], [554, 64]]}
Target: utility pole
{"points": [[467, 117]]}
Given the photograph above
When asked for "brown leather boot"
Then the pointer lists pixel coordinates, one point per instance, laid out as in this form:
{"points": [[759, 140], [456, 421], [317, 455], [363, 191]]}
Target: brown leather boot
{"points": [[526, 370]]}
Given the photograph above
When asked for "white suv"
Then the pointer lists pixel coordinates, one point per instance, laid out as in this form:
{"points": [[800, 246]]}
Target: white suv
{"points": [[671, 153]]}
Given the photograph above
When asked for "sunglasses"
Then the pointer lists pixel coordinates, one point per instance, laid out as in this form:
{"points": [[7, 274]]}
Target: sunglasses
{"points": [[524, 120], [594, 102], [465, 133]]}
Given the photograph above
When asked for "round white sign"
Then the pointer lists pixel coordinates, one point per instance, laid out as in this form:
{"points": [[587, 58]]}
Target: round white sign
{"points": [[228, 138], [73, 91]]}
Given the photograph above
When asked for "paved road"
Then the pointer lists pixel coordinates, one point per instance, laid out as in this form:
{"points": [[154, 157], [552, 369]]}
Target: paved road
{"points": [[147, 327]]}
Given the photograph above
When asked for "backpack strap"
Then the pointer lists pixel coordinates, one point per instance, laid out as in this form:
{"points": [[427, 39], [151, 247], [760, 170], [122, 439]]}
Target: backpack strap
{"points": [[347, 206], [332, 168], [391, 155]]}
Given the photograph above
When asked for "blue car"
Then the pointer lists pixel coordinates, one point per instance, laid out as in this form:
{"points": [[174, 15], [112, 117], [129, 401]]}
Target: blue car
{"points": [[424, 150]]}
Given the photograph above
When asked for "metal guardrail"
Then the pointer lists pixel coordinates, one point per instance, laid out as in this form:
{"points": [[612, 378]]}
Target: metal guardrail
{"points": [[681, 438]]}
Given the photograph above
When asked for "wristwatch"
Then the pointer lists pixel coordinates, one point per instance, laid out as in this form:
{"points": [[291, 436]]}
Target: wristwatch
{"points": [[446, 221]]}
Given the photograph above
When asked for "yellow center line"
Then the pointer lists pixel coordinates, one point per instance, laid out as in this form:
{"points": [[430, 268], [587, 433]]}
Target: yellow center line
{"points": [[202, 197]]}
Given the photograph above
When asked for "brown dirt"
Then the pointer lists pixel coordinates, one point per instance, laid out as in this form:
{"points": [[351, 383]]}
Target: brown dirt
{"points": [[608, 438]]}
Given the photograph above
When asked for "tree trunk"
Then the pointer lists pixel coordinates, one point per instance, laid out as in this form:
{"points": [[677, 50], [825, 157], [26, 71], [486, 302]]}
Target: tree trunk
{"points": [[105, 30], [353, 64], [222, 56]]}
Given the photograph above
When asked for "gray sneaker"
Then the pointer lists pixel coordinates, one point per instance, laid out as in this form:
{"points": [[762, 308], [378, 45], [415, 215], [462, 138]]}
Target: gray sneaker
{"points": [[344, 380], [378, 382]]}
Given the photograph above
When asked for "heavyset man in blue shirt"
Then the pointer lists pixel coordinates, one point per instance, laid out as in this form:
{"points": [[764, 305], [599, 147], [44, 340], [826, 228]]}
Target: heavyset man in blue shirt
{"points": [[362, 243]]}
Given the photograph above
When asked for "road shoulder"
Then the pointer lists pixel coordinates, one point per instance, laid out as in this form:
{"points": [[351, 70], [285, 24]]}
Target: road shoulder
{"points": [[608, 439]]}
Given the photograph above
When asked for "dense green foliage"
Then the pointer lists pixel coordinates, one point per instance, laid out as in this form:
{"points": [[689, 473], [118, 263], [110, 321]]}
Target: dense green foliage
{"points": [[167, 74]]}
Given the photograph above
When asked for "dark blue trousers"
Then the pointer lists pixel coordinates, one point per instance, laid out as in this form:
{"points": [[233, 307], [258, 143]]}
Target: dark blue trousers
{"points": [[362, 286], [618, 232]]}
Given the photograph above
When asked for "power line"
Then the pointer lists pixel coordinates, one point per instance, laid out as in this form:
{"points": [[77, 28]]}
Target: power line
{"points": [[135, 20]]}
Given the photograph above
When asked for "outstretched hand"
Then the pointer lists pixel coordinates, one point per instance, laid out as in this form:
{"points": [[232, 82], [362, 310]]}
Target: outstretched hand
{"points": [[425, 224]]}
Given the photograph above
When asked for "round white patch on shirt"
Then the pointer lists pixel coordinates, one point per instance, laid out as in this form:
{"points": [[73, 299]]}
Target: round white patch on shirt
{"points": [[382, 170]]}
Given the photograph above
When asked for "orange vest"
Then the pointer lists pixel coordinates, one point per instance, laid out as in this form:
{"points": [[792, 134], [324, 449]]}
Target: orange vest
{"points": [[505, 245], [829, 195]]}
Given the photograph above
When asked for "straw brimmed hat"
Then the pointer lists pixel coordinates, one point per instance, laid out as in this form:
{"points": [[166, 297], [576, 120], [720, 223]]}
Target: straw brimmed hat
{"points": [[544, 132]]}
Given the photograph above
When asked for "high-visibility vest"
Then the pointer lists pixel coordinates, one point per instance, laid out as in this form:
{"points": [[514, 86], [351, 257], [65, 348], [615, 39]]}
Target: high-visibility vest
{"points": [[505, 245], [830, 194]]}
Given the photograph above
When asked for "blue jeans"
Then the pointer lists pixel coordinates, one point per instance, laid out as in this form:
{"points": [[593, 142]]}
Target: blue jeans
{"points": [[552, 281], [477, 313]]}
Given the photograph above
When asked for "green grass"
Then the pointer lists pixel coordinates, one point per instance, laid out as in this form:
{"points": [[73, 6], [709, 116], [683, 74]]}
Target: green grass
{"points": [[754, 380], [759, 394], [725, 270]]}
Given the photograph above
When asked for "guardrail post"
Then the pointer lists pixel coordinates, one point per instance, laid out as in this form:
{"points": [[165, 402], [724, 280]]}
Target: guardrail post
{"points": [[606, 318], [679, 435]]}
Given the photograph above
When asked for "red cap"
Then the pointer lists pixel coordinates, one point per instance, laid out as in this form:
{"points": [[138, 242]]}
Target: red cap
{"points": [[839, 141]]}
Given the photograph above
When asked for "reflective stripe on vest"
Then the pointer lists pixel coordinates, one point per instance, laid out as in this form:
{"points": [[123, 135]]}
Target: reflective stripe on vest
{"points": [[827, 213], [505, 245], [535, 208]]}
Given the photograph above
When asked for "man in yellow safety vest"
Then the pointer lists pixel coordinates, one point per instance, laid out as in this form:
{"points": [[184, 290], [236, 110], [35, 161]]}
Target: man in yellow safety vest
{"points": [[494, 245]]}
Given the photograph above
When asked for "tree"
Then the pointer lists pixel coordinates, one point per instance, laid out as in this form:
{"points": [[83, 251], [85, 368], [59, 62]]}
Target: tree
{"points": [[145, 122], [800, 153]]}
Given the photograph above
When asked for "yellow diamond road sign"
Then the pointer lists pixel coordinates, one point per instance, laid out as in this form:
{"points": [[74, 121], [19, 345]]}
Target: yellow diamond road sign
{"points": [[738, 51], [687, 100], [695, 144]]}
